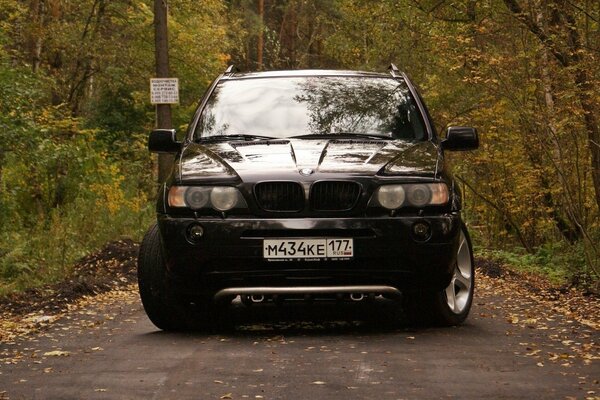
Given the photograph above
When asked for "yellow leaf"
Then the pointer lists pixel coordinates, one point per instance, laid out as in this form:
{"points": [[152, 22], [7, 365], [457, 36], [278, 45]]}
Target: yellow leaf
{"points": [[57, 353]]}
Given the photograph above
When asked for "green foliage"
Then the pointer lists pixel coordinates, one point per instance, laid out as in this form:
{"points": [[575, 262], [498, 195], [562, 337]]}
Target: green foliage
{"points": [[45, 252], [561, 263], [116, 112], [65, 196], [74, 117]]}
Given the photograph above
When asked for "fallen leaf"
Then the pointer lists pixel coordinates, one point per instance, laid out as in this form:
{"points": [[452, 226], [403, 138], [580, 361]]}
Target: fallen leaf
{"points": [[226, 396], [57, 353]]}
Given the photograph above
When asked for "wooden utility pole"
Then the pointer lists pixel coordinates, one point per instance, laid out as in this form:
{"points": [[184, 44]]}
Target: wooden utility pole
{"points": [[260, 46], [163, 111]]}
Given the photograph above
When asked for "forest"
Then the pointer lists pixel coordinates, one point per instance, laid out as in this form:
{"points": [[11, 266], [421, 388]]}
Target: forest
{"points": [[75, 112]]}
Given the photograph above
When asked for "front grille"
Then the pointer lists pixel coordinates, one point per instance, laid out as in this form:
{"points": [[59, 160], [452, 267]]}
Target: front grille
{"points": [[334, 196], [279, 196]]}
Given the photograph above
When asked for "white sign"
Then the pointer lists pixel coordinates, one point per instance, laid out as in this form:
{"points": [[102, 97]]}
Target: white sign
{"points": [[164, 91]]}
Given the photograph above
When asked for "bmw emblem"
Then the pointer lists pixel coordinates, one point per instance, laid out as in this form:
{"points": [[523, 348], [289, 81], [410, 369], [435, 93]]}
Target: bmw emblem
{"points": [[306, 171]]}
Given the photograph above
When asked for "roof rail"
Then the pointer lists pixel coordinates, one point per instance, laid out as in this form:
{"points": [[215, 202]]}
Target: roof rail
{"points": [[232, 69], [394, 70]]}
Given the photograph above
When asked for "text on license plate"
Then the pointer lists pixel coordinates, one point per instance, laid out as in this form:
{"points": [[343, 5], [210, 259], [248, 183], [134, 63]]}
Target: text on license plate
{"points": [[308, 248]]}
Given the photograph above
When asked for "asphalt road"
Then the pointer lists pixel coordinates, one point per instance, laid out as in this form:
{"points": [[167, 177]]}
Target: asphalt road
{"points": [[109, 350]]}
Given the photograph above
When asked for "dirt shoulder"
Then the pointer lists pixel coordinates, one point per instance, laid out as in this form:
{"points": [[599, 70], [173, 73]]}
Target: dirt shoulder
{"points": [[112, 267], [577, 304]]}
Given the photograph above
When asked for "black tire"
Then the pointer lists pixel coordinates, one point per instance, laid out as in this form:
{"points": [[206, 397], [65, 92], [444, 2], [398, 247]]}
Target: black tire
{"points": [[164, 307], [450, 306]]}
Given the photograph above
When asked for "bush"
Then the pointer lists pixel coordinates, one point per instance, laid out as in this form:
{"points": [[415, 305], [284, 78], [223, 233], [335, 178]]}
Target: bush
{"points": [[66, 194], [560, 262]]}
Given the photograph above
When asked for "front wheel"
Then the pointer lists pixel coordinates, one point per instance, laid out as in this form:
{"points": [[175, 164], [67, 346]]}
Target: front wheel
{"points": [[451, 305], [165, 308]]}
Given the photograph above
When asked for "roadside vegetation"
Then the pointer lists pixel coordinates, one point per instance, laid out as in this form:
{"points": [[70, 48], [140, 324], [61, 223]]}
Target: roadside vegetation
{"points": [[75, 112]]}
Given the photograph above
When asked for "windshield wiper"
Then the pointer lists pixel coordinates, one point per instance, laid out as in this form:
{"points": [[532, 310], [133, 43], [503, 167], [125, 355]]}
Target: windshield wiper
{"points": [[342, 135], [219, 138]]}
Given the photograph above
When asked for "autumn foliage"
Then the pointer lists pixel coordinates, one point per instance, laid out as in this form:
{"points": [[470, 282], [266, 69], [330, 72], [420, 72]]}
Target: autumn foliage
{"points": [[75, 112]]}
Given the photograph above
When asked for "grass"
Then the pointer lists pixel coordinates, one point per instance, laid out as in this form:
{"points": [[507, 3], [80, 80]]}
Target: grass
{"points": [[46, 252], [560, 263]]}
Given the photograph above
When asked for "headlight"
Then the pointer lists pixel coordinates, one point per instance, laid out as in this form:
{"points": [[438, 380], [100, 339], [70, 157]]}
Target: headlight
{"points": [[439, 194], [224, 198], [391, 196], [177, 196], [197, 197], [419, 195], [221, 198], [412, 195]]}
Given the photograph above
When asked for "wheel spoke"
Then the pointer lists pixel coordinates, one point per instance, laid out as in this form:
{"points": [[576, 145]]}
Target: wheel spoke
{"points": [[451, 296], [463, 282], [461, 245]]}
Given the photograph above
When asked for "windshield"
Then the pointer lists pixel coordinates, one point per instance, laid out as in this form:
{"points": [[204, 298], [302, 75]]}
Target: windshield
{"points": [[284, 107]]}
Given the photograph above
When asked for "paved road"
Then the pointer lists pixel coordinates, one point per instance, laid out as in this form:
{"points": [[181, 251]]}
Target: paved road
{"points": [[111, 351]]}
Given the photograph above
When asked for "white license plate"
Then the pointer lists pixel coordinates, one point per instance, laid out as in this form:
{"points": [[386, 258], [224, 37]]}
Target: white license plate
{"points": [[294, 249]]}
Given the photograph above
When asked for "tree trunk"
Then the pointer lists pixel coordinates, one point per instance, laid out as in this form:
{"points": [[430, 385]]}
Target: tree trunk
{"points": [[37, 9], [163, 111], [584, 89], [591, 124], [260, 44], [287, 36], [569, 232], [84, 66]]}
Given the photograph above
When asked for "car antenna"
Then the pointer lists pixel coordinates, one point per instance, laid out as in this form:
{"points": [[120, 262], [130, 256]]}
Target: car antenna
{"points": [[394, 70], [232, 69]]}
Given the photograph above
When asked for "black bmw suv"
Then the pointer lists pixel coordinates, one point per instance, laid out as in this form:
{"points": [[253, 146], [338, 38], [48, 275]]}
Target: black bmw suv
{"points": [[308, 184]]}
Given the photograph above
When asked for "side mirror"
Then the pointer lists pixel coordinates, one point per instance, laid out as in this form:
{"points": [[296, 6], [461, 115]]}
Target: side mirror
{"points": [[461, 138], [163, 141]]}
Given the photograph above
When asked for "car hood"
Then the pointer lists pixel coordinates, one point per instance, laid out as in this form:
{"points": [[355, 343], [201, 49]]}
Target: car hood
{"points": [[287, 159]]}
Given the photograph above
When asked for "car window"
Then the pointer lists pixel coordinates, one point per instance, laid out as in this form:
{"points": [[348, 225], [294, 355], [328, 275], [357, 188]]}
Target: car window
{"points": [[283, 107]]}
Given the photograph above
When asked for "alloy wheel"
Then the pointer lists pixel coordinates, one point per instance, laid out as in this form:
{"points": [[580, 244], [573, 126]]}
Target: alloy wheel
{"points": [[458, 292]]}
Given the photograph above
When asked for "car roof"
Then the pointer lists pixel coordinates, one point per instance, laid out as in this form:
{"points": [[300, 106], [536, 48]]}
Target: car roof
{"points": [[303, 73]]}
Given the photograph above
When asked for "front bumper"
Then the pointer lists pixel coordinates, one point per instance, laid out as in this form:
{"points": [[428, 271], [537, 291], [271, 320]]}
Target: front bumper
{"points": [[386, 252]]}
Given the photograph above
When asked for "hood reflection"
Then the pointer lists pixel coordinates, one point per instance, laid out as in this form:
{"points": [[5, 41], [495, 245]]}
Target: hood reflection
{"points": [[287, 157]]}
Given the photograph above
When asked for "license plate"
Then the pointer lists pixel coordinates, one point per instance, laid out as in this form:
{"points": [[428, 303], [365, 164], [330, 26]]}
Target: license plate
{"points": [[308, 249]]}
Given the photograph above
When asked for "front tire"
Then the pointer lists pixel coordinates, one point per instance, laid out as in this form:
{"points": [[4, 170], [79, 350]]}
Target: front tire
{"points": [[451, 305], [165, 308]]}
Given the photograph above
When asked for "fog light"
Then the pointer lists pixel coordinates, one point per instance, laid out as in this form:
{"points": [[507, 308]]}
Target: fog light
{"points": [[421, 230], [195, 233]]}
